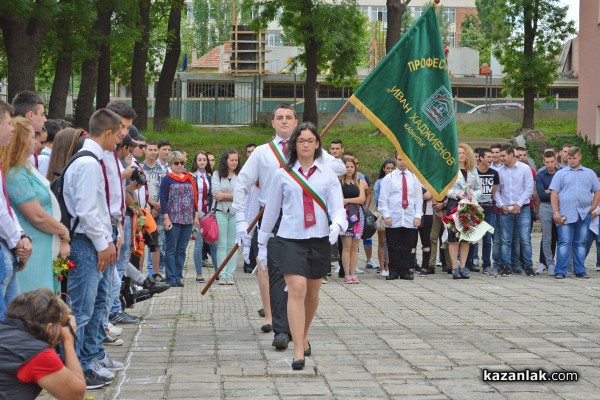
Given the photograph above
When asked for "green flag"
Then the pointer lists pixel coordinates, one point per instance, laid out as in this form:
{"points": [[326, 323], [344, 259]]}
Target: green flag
{"points": [[408, 96]]}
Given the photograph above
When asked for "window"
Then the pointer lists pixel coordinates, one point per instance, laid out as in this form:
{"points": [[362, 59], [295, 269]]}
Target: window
{"points": [[451, 39], [364, 10], [274, 39], [450, 15], [379, 14], [416, 12]]}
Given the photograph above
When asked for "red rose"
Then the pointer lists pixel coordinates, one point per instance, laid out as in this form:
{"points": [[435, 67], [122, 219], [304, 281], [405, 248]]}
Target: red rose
{"points": [[477, 220], [193, 237], [467, 227], [60, 277], [463, 217], [71, 265]]}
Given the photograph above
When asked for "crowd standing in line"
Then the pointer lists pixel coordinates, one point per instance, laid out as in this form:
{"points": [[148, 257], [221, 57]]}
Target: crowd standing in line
{"points": [[113, 177]]}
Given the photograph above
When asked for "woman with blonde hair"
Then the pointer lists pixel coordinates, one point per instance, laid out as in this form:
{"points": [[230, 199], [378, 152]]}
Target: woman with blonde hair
{"points": [[35, 207], [467, 186]]}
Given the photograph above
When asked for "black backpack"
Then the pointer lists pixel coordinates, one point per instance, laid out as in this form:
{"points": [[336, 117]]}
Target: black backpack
{"points": [[57, 187]]}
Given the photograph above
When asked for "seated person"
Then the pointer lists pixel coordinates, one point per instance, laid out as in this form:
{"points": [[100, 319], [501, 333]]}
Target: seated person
{"points": [[35, 323]]}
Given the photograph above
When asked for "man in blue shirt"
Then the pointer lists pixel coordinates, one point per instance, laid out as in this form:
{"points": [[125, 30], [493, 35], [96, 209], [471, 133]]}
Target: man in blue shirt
{"points": [[575, 194], [542, 184]]}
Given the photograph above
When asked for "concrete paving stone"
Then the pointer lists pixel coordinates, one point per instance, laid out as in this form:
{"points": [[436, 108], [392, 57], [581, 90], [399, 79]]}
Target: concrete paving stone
{"points": [[410, 389], [532, 396], [193, 394]]}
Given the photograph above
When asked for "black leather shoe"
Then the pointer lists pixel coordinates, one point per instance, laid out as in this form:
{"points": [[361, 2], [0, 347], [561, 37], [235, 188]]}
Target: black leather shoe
{"points": [[179, 284], [155, 287], [308, 351], [391, 278], [407, 277], [298, 364], [261, 312], [266, 328], [281, 341]]}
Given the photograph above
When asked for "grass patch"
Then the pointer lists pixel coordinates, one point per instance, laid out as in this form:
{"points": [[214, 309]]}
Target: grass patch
{"points": [[358, 139]]}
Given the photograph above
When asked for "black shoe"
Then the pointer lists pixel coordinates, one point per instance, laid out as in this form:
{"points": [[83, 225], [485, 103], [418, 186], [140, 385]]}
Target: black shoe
{"points": [[179, 284], [431, 270], [155, 287], [407, 277], [281, 341], [308, 351], [93, 381], [505, 272], [391, 278], [473, 268], [529, 271], [298, 364], [261, 312], [122, 318], [158, 278], [141, 295], [266, 328], [424, 272]]}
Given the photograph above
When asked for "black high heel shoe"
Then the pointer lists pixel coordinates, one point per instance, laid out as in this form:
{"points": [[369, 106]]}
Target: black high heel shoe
{"points": [[298, 364], [308, 351]]}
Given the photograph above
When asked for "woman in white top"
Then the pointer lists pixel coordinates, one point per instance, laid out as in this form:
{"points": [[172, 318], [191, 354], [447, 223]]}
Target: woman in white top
{"points": [[304, 232], [201, 171], [223, 180]]}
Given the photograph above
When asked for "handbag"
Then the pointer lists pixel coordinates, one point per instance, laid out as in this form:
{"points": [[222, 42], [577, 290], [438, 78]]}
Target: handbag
{"points": [[209, 229], [370, 226]]}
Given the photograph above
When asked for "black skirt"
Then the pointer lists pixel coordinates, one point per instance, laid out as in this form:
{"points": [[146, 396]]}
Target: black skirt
{"points": [[450, 205], [310, 258]]}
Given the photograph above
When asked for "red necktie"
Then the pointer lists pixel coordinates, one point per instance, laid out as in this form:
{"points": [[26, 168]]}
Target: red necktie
{"points": [[404, 192], [283, 147], [204, 193], [35, 158], [309, 207], [6, 194]]}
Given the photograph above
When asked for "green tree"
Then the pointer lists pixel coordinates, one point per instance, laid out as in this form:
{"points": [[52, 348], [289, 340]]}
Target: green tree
{"points": [[24, 24], [529, 35], [212, 23], [333, 38], [472, 36]]}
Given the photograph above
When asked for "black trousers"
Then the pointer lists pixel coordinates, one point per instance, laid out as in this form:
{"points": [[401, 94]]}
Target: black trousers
{"points": [[400, 242]]}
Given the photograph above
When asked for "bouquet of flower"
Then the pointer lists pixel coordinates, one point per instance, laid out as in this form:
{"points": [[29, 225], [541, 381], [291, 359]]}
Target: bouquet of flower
{"points": [[467, 221], [61, 267]]}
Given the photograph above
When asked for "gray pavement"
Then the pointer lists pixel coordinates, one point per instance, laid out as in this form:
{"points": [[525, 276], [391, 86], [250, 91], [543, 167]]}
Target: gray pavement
{"points": [[426, 339]]}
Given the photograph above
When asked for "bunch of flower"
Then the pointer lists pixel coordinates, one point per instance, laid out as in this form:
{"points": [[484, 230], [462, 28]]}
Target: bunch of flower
{"points": [[469, 216], [61, 267]]}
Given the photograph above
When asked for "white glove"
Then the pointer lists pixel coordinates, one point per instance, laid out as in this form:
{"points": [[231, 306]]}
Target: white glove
{"points": [[246, 251], [261, 259], [240, 233], [334, 233]]}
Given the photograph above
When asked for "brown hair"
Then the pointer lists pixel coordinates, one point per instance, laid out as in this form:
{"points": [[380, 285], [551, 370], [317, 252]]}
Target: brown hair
{"points": [[18, 149], [354, 179], [67, 142], [37, 309], [5, 108]]}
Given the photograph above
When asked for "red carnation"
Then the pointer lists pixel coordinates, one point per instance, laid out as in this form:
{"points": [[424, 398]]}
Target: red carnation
{"points": [[463, 217], [477, 220], [60, 277], [467, 227], [71, 265]]}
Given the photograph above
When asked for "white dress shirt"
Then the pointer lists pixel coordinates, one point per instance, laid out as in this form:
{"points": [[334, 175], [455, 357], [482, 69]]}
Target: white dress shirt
{"points": [[85, 197], [261, 167], [286, 194], [10, 229], [116, 185], [516, 185], [201, 177], [43, 164], [390, 199]]}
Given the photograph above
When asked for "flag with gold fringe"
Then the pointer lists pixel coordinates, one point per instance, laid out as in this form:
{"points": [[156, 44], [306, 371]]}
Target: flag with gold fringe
{"points": [[409, 97]]}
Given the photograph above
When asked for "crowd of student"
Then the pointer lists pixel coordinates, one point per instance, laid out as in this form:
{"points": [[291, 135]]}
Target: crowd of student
{"points": [[112, 176]]}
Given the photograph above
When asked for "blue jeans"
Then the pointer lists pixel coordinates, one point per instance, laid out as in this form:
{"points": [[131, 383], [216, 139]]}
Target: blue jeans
{"points": [[178, 238], [575, 233], [225, 243], [516, 225], [115, 303], [89, 291], [10, 283], [198, 253], [486, 248]]}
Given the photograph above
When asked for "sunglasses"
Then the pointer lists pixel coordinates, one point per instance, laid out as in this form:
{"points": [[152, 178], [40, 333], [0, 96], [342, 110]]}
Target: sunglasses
{"points": [[178, 162], [142, 146]]}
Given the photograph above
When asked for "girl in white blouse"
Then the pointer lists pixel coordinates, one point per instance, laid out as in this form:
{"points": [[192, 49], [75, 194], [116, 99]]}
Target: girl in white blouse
{"points": [[305, 232]]}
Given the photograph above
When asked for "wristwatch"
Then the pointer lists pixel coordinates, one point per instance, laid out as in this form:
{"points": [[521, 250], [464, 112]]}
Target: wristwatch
{"points": [[23, 236]]}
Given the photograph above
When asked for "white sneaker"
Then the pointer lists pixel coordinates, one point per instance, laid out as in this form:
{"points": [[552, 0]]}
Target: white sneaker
{"points": [[540, 269], [337, 270], [597, 268], [551, 270], [384, 273], [114, 330], [110, 364], [102, 372], [358, 271]]}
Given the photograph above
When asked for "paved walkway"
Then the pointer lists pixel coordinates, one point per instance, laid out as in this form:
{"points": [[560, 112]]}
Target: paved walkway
{"points": [[425, 339]]}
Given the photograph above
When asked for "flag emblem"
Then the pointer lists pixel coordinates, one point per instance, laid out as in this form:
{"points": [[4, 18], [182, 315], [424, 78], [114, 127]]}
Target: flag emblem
{"points": [[438, 108]]}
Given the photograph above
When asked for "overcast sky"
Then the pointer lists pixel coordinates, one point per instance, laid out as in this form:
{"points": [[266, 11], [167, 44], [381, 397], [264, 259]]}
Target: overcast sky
{"points": [[573, 13]]}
